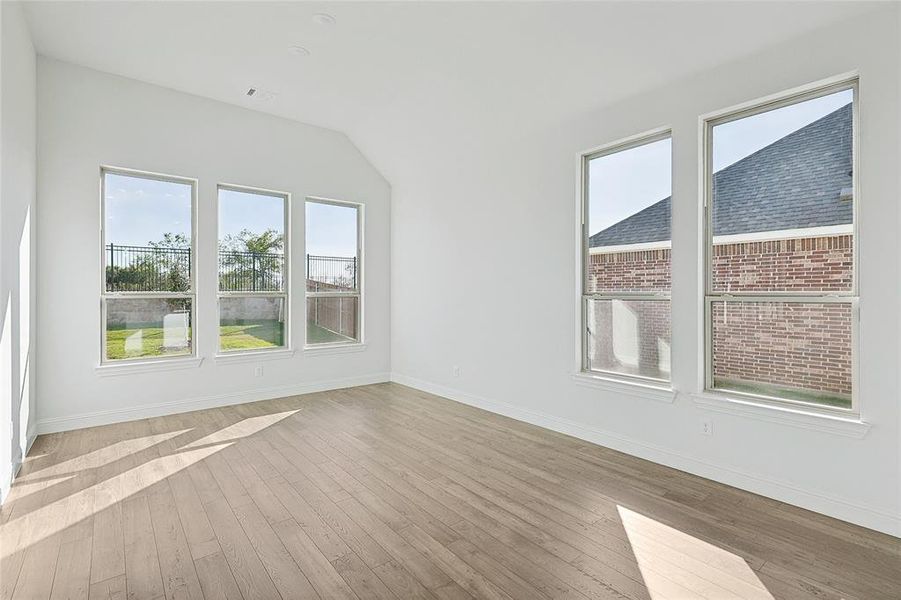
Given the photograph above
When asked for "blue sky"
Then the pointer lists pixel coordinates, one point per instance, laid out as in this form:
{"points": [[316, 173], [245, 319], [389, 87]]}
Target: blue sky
{"points": [[244, 210], [624, 183], [331, 230], [141, 210]]}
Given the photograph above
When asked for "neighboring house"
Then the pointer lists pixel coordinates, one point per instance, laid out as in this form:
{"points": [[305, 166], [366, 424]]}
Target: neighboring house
{"points": [[782, 220]]}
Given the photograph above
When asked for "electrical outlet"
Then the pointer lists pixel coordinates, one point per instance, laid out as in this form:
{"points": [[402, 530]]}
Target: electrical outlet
{"points": [[456, 371], [706, 427], [258, 371]]}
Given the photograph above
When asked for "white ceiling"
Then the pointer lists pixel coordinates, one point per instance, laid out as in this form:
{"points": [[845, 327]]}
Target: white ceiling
{"points": [[395, 75]]}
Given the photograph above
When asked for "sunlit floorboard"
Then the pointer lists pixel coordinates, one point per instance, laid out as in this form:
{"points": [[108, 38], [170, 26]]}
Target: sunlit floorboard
{"points": [[386, 492]]}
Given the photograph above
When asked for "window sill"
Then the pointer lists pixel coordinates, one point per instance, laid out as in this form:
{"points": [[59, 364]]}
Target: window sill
{"points": [[638, 389], [227, 358], [147, 366], [328, 349], [848, 426]]}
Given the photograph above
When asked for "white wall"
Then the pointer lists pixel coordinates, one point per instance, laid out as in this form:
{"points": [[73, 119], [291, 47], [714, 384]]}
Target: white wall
{"points": [[87, 119], [17, 203], [484, 277], [898, 283]]}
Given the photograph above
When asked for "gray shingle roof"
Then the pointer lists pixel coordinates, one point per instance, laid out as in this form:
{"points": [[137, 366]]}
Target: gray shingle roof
{"points": [[795, 182]]}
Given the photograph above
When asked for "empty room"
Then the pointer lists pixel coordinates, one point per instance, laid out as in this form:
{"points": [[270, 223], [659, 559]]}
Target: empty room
{"points": [[440, 300]]}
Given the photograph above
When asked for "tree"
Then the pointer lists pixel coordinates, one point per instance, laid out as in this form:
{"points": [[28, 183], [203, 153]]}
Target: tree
{"points": [[164, 266], [247, 241], [251, 261], [247, 261], [171, 258]]}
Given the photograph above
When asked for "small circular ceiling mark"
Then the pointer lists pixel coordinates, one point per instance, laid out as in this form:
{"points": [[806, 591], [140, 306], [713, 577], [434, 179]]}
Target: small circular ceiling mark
{"points": [[324, 19], [299, 51]]}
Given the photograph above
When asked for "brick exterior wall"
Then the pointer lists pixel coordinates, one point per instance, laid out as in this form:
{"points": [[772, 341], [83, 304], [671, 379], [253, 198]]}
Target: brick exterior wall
{"points": [[794, 345], [638, 271], [789, 344], [647, 355], [812, 264]]}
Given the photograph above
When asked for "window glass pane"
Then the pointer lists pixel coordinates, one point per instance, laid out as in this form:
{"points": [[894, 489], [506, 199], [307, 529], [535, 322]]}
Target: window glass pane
{"points": [[629, 219], [331, 237], [631, 337], [783, 198], [147, 230], [332, 319], [249, 322], [789, 350], [147, 327], [251, 242]]}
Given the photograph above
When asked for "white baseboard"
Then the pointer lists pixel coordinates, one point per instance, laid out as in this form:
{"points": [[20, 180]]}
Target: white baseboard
{"points": [[865, 516], [118, 415]]}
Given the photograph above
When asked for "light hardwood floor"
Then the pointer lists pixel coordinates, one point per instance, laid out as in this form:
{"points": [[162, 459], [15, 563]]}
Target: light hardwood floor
{"points": [[386, 492]]}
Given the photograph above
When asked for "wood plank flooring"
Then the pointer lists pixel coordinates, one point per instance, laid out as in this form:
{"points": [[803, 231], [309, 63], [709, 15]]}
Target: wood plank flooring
{"points": [[385, 492]]}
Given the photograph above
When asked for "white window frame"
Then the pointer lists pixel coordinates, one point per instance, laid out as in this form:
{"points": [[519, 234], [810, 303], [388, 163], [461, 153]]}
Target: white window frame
{"points": [[585, 296], [357, 293], [106, 295], [849, 297], [285, 294]]}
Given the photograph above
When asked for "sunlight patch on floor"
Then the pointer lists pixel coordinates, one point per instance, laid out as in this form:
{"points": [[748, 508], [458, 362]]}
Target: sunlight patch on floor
{"points": [[241, 429], [26, 487], [55, 517], [101, 456], [677, 565]]}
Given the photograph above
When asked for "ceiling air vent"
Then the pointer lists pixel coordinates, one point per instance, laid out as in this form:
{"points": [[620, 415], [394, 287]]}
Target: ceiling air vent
{"points": [[260, 95]]}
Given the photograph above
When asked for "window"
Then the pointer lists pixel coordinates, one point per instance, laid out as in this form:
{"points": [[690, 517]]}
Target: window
{"points": [[333, 238], [781, 289], [147, 299], [253, 269], [626, 259]]}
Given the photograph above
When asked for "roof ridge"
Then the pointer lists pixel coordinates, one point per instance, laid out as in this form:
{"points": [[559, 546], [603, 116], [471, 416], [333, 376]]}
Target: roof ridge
{"points": [[807, 170], [786, 138]]}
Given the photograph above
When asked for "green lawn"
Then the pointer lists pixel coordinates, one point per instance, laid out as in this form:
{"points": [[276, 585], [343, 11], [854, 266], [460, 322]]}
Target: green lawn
{"points": [[243, 335], [780, 391], [142, 341], [321, 335], [247, 335], [148, 341]]}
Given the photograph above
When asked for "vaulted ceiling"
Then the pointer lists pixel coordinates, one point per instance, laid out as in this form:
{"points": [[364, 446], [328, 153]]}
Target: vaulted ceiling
{"points": [[397, 77]]}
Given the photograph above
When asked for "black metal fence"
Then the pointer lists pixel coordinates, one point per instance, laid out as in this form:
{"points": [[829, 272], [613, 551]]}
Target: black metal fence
{"points": [[251, 272], [331, 273], [147, 269], [150, 269]]}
